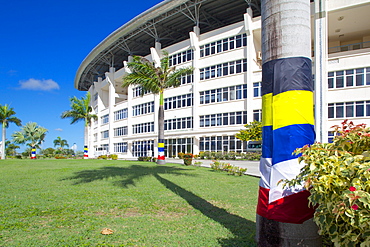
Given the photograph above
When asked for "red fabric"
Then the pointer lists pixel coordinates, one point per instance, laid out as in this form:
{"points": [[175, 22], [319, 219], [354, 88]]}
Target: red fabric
{"points": [[160, 157], [290, 209]]}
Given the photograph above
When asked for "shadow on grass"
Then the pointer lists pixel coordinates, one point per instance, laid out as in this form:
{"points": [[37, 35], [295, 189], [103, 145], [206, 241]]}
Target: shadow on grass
{"points": [[130, 175], [242, 229]]}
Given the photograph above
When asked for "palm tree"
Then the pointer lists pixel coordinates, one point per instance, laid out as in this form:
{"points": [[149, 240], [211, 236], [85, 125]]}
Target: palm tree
{"points": [[60, 142], [6, 117], [81, 110], [155, 80], [32, 135]]}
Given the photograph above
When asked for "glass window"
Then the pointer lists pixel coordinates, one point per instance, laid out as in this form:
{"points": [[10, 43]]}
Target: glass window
{"points": [[359, 77], [225, 69], [331, 80], [225, 45], [349, 109], [331, 111], [349, 78], [367, 108], [368, 76], [339, 110], [360, 109], [340, 79]]}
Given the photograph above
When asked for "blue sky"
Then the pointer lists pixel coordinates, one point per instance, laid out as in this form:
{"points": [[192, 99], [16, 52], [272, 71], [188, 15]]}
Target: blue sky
{"points": [[42, 44]]}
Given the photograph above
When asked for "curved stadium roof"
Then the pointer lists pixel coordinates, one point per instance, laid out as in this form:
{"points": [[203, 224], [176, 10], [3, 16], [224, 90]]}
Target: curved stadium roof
{"points": [[168, 22]]}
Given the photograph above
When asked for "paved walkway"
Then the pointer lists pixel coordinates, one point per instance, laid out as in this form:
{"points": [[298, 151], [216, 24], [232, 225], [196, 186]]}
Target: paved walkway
{"points": [[252, 166]]}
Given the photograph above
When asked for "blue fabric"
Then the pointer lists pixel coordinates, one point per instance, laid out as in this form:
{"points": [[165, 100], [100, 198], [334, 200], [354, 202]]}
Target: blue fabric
{"points": [[289, 138]]}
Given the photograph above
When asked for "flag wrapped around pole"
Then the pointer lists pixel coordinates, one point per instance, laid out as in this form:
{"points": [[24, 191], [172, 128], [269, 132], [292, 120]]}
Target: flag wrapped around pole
{"points": [[287, 124]]}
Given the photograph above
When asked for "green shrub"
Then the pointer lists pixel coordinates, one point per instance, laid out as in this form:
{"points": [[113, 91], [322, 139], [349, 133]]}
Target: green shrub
{"points": [[60, 156], [338, 177], [230, 169], [113, 156], [180, 155], [251, 155], [145, 158], [201, 155], [104, 157]]}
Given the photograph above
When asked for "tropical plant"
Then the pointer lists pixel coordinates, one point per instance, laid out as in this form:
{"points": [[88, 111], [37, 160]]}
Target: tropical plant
{"points": [[48, 152], [10, 148], [30, 134], [338, 177], [60, 142], [252, 132], [81, 111], [7, 116], [155, 78]]}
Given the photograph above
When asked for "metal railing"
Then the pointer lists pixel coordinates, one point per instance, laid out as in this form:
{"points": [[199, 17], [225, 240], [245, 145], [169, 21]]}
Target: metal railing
{"points": [[349, 47]]}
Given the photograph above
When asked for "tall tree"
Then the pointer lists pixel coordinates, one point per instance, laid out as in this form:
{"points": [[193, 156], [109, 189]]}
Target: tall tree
{"points": [[155, 79], [7, 116], [81, 111], [60, 142], [32, 135]]}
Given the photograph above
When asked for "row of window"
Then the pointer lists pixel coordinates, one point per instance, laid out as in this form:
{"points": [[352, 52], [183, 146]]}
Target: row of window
{"points": [[181, 57], [186, 79], [221, 144], [349, 78], [120, 114], [142, 109], [349, 109], [143, 128], [120, 131], [223, 94], [221, 119], [224, 69], [223, 45], [143, 148], [180, 101], [179, 145], [120, 147], [178, 123], [138, 91]]}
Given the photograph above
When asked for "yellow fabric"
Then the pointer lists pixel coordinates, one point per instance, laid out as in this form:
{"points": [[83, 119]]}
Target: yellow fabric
{"points": [[292, 107], [161, 145], [267, 109]]}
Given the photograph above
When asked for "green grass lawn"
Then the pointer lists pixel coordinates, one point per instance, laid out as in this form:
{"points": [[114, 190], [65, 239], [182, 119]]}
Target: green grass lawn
{"points": [[69, 202]]}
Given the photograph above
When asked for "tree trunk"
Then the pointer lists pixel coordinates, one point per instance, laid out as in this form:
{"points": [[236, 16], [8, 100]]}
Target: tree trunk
{"points": [[161, 157], [283, 215], [3, 141]]}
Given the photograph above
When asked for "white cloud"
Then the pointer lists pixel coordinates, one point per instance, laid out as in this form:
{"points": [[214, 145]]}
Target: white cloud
{"points": [[59, 129], [42, 85]]}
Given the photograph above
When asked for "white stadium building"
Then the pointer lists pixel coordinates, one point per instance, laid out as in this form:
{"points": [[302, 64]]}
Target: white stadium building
{"points": [[221, 40]]}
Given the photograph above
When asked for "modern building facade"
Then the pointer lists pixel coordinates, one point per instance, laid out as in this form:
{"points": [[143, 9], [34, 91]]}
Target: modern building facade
{"points": [[221, 40]]}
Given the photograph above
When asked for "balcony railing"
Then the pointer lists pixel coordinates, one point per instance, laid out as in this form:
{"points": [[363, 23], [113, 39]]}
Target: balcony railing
{"points": [[349, 47]]}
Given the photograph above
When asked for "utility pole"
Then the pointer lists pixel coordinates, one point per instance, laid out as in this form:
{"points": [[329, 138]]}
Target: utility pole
{"points": [[283, 215]]}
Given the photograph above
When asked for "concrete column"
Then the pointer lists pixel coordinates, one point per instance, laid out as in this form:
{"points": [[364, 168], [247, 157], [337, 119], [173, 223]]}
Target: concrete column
{"points": [[283, 215], [109, 77], [250, 55], [194, 44], [321, 73]]}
